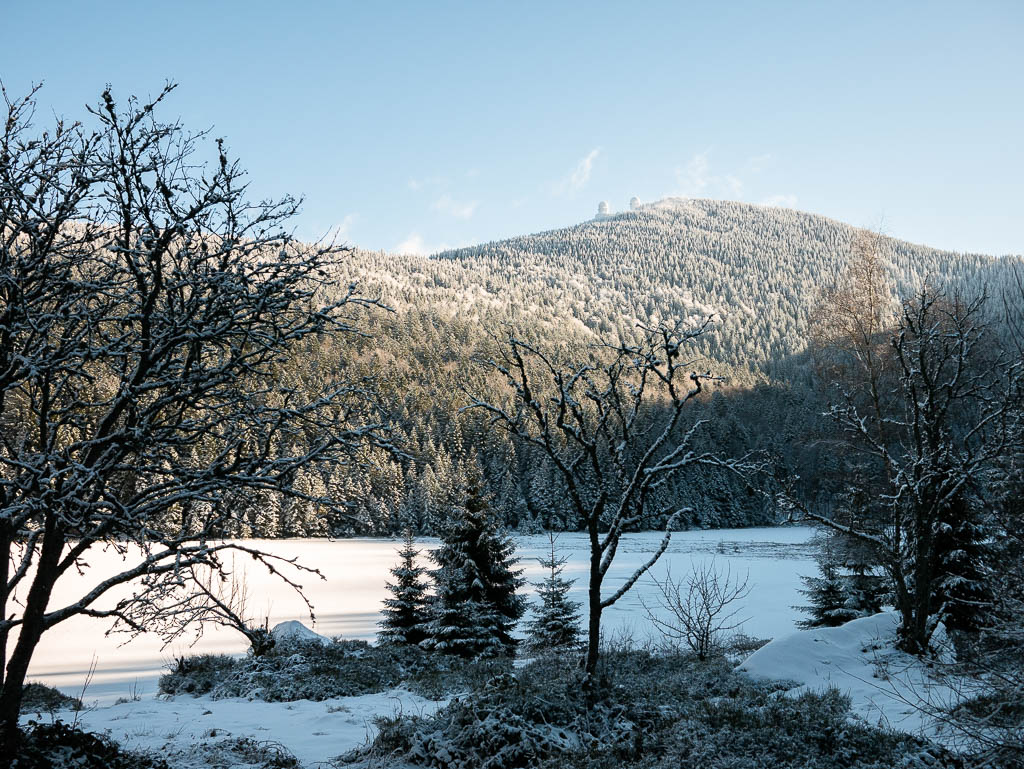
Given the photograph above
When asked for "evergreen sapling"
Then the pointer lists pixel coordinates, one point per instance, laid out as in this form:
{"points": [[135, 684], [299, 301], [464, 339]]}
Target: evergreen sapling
{"points": [[406, 613], [555, 624], [827, 595]]}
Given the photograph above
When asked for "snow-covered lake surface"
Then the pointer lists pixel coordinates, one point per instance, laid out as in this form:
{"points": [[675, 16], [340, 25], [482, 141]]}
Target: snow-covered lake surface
{"points": [[347, 601]]}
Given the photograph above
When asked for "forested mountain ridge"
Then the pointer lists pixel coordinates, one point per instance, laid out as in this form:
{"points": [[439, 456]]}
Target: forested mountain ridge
{"points": [[759, 271]]}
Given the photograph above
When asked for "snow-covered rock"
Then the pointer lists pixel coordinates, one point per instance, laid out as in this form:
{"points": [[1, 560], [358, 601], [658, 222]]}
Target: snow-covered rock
{"points": [[293, 630]]}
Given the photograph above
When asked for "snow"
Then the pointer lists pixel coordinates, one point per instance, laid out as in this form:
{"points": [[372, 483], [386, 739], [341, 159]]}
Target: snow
{"points": [[861, 660], [180, 728], [347, 604], [348, 600], [293, 630]]}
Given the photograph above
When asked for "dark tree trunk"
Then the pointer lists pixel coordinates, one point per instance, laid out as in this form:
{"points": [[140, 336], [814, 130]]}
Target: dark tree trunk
{"points": [[29, 634], [594, 603]]}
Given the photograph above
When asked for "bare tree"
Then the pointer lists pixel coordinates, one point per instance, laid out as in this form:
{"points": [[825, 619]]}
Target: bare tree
{"points": [[613, 431], [851, 324], [147, 311], [215, 597], [956, 420], [701, 606]]}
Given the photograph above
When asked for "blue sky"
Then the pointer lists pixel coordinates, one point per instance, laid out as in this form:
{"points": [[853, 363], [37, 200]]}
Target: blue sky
{"points": [[422, 125]]}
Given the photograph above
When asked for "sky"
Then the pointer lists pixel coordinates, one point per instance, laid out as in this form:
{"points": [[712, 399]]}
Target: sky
{"points": [[424, 125]]}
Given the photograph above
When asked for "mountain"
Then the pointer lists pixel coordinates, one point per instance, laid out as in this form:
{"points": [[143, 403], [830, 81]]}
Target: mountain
{"points": [[759, 271]]}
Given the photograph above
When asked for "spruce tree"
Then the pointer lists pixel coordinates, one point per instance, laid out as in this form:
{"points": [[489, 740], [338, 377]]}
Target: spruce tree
{"points": [[963, 593], [827, 595], [866, 588], [555, 624], [405, 616], [476, 604]]}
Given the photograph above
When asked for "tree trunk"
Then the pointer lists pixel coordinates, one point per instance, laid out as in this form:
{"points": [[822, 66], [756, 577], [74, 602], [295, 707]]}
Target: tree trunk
{"points": [[594, 602], [29, 634], [6, 545]]}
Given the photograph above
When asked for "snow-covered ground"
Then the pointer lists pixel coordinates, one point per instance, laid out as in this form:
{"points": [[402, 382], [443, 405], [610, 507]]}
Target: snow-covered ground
{"points": [[860, 659], [182, 728], [347, 601]]}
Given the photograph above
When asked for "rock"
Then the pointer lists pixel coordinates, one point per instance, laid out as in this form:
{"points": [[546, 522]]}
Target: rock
{"points": [[293, 630]]}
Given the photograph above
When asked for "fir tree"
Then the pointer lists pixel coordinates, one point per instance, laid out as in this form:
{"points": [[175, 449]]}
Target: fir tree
{"points": [[866, 589], [963, 593], [406, 613], [556, 619], [476, 605], [827, 595]]}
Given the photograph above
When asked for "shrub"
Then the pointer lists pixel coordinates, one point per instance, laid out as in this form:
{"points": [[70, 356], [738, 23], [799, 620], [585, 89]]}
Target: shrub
{"points": [[45, 746], [40, 698], [652, 711], [296, 670], [198, 675]]}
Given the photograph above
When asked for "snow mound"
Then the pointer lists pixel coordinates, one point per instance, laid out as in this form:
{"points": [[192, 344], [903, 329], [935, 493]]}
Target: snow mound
{"points": [[293, 630], [860, 659]]}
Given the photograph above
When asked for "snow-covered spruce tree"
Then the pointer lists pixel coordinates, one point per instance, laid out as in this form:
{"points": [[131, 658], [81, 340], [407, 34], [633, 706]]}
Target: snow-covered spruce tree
{"points": [[555, 622], [405, 614], [476, 604], [866, 591], [826, 594], [963, 594]]}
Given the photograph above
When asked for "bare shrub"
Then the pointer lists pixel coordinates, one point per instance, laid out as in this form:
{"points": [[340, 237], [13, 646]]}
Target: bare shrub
{"points": [[701, 605]]}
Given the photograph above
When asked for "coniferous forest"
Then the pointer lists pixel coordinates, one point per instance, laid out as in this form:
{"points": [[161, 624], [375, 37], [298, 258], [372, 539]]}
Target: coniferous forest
{"points": [[761, 275]]}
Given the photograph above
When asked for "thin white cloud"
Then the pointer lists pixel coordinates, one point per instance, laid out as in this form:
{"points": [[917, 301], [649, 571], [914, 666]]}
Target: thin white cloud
{"points": [[411, 245], [697, 180], [338, 233], [416, 185], [579, 177], [735, 186], [414, 244], [446, 205]]}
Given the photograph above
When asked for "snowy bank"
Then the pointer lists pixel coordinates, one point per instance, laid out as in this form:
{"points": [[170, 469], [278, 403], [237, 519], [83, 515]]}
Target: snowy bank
{"points": [[180, 729], [860, 659]]}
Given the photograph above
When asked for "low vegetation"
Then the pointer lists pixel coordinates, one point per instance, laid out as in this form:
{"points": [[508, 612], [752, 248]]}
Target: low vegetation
{"points": [[651, 710], [49, 745], [40, 698], [298, 670]]}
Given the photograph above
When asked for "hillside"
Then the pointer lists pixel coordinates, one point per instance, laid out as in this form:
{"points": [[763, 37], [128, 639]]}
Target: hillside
{"points": [[758, 270]]}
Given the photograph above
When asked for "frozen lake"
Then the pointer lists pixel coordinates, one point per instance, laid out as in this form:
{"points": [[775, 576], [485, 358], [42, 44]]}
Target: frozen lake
{"points": [[348, 600]]}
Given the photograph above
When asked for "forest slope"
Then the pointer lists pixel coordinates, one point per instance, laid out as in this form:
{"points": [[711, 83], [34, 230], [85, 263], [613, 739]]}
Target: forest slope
{"points": [[758, 270]]}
